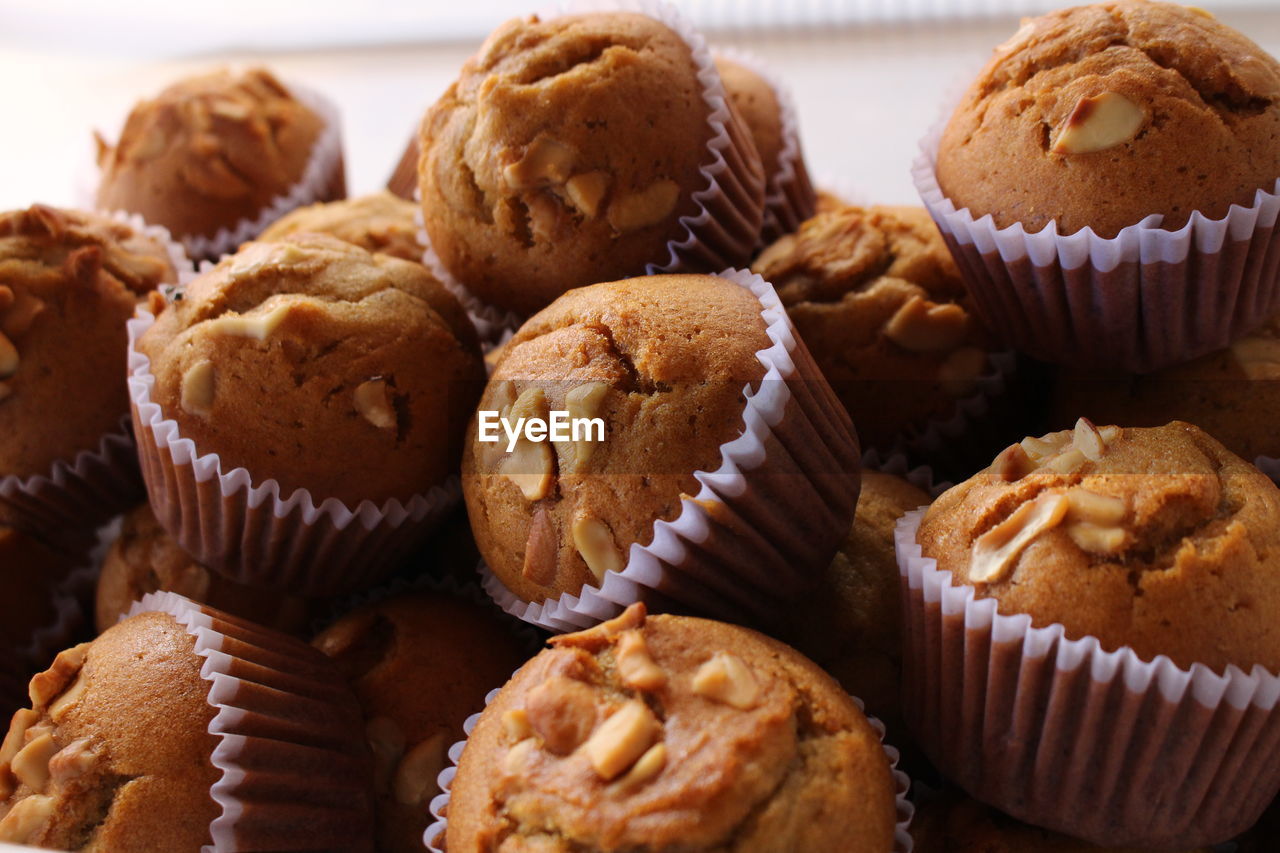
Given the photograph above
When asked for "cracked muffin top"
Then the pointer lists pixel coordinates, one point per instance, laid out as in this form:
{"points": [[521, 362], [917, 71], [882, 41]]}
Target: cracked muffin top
{"points": [[563, 156], [66, 276], [114, 753], [285, 352], [1102, 115], [208, 152], [651, 733], [1158, 539], [379, 222], [388, 651], [879, 302], [662, 360]]}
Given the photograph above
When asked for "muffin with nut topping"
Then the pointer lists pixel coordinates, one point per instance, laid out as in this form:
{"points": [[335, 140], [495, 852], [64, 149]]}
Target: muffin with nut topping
{"points": [[569, 150], [666, 732], [214, 153], [379, 222]]}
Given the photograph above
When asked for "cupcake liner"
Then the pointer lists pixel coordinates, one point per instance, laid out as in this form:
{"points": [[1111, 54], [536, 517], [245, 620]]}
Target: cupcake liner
{"points": [[1059, 733], [296, 774], [724, 230], [323, 179], [248, 530], [433, 837], [789, 197], [770, 524], [1146, 299]]}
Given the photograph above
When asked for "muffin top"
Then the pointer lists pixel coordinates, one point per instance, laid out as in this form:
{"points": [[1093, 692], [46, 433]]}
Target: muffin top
{"points": [[662, 361], [286, 351], [145, 558], [1102, 115], [114, 753], [379, 222], [391, 652], [68, 282], [1158, 539], [564, 155], [668, 732], [877, 298], [208, 152], [757, 103]]}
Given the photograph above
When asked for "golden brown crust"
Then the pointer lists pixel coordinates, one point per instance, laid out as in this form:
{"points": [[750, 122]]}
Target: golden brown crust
{"points": [[68, 283], [564, 155], [126, 766], [1196, 129], [757, 103], [880, 304], [671, 733], [208, 152], [420, 664], [286, 352], [379, 222], [670, 356], [1168, 545]]}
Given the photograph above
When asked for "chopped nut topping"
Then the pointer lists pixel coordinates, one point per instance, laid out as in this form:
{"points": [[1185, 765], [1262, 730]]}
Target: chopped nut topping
{"points": [[373, 402], [1098, 123], [1064, 452], [1066, 462], [995, 551], [31, 764], [923, 326], [635, 667], [540, 549], [586, 191], [622, 739], [415, 779], [646, 767], [26, 819], [529, 465], [1012, 464], [595, 543], [197, 388], [606, 632], [545, 161], [68, 699], [562, 712], [73, 760], [1097, 539], [1088, 440], [256, 326], [515, 723], [649, 206], [1093, 521], [12, 743], [726, 679], [46, 685], [582, 401], [8, 357], [518, 756]]}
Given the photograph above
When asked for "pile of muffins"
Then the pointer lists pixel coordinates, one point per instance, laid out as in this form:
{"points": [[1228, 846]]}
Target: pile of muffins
{"points": [[272, 584]]}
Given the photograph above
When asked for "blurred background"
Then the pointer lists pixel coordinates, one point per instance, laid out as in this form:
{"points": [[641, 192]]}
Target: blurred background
{"points": [[868, 76]]}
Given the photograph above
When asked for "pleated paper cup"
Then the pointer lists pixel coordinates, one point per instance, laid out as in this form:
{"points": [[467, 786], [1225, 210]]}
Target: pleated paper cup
{"points": [[296, 772], [762, 524], [433, 838], [722, 232], [248, 530], [1061, 734]]}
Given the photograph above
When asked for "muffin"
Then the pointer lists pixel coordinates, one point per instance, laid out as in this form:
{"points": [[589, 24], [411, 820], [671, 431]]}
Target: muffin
{"points": [[1117, 124], [127, 747], [271, 361], [1095, 587], [569, 152], [770, 115], [662, 363], [216, 157], [1232, 394], [388, 651], [144, 558], [68, 283], [668, 732], [380, 222], [880, 304]]}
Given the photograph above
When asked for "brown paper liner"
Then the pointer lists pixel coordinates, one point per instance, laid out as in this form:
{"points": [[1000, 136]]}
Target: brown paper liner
{"points": [[296, 772], [1061, 734]]}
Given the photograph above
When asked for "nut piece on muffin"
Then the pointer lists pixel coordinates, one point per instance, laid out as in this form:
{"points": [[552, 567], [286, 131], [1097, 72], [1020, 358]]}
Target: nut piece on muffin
{"points": [[566, 154], [322, 366], [665, 732], [1099, 116], [1232, 394], [420, 664], [211, 152], [145, 558], [878, 300], [1157, 539], [379, 222]]}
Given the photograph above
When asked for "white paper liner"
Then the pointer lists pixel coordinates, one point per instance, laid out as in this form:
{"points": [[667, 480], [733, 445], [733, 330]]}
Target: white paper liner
{"points": [[1077, 767], [789, 196], [1145, 299], [650, 567], [284, 542], [434, 834], [295, 768], [323, 179]]}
